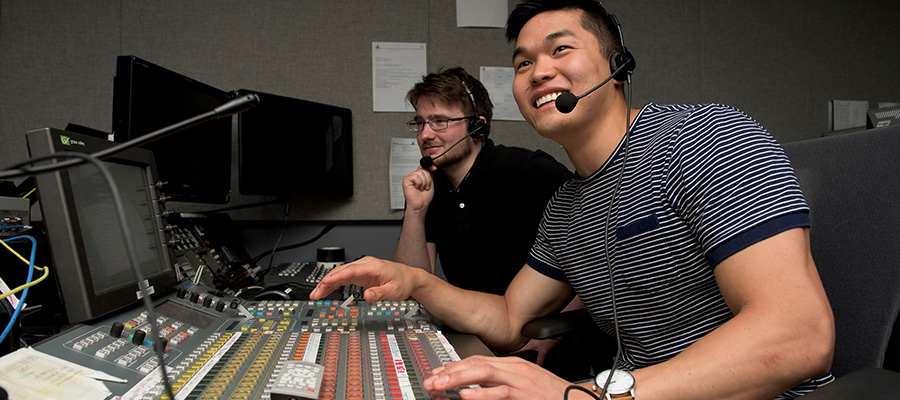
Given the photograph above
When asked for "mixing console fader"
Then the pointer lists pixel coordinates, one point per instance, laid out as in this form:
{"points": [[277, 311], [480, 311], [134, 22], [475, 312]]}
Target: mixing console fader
{"points": [[218, 347]]}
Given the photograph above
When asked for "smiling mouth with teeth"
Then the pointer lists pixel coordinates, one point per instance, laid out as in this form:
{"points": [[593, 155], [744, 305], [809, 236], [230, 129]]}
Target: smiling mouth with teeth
{"points": [[546, 99]]}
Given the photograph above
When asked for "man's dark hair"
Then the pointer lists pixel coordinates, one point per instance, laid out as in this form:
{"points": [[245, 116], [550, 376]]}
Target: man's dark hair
{"points": [[596, 19], [447, 86]]}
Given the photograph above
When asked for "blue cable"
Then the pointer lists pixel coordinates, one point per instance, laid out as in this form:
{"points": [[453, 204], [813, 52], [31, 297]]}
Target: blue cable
{"points": [[12, 318]]}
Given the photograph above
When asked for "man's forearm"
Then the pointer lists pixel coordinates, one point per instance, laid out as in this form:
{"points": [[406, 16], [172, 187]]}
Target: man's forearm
{"points": [[412, 247], [737, 361], [478, 313]]}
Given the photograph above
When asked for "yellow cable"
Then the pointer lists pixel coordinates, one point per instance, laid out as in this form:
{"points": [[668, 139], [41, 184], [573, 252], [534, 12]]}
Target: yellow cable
{"points": [[30, 284], [29, 193], [14, 252]]}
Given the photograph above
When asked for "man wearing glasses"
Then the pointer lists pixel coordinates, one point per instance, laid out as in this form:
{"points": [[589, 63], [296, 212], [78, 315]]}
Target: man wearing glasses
{"points": [[474, 203], [478, 205]]}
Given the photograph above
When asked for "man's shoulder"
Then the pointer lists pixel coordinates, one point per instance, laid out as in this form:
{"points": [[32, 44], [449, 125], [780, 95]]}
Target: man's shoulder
{"points": [[695, 121], [714, 111], [514, 153], [512, 158], [512, 166]]}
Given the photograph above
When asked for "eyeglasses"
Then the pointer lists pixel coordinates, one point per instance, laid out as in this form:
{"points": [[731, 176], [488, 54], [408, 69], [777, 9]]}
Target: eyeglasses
{"points": [[438, 124]]}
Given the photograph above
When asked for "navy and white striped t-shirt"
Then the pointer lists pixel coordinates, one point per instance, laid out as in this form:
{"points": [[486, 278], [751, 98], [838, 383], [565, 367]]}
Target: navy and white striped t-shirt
{"points": [[701, 183]]}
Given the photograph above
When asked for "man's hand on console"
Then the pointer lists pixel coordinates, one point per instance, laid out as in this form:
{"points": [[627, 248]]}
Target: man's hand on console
{"points": [[500, 378], [385, 280]]}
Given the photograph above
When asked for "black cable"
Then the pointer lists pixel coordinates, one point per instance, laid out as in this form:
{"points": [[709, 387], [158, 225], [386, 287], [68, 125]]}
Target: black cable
{"points": [[126, 236], [287, 212], [581, 388], [612, 290], [325, 230]]}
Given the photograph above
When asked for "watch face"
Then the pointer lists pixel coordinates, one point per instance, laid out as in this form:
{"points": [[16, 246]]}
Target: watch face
{"points": [[622, 382]]}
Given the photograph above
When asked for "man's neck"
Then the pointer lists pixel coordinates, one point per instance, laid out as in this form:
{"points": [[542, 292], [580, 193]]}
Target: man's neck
{"points": [[589, 149], [457, 172]]}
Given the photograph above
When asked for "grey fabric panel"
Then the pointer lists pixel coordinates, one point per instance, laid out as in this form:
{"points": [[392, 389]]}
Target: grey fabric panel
{"points": [[780, 62]]}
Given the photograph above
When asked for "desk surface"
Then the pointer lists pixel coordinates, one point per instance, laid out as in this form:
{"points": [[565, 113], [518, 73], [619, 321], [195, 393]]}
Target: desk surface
{"points": [[467, 345]]}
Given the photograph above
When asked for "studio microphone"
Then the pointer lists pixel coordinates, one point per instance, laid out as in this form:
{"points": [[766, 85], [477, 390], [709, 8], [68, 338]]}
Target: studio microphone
{"points": [[227, 109], [566, 102], [234, 106], [426, 162]]}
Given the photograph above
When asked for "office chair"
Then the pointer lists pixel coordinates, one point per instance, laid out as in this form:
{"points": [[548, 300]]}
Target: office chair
{"points": [[852, 184], [582, 350]]}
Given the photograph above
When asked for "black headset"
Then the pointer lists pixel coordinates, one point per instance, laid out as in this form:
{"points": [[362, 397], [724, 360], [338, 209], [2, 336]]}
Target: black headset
{"points": [[477, 128], [618, 58]]}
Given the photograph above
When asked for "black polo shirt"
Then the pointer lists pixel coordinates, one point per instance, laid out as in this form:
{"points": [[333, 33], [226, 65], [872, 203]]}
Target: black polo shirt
{"points": [[484, 229]]}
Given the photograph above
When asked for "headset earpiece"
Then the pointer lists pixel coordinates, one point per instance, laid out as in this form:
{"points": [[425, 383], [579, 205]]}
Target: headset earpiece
{"points": [[477, 128], [617, 60]]}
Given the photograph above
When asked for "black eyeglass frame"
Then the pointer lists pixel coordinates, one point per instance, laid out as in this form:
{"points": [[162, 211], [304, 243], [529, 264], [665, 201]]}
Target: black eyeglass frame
{"points": [[419, 126]]}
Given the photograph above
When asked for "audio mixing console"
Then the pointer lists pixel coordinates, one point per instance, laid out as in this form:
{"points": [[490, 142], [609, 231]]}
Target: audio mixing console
{"points": [[219, 347]]}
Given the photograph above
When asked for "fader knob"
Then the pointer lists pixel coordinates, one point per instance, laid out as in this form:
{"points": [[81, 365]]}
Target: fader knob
{"points": [[138, 337], [161, 344], [117, 329], [207, 302], [195, 297], [220, 306]]}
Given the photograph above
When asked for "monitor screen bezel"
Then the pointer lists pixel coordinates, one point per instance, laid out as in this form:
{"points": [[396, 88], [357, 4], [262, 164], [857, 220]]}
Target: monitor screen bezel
{"points": [[275, 125], [196, 165], [67, 248]]}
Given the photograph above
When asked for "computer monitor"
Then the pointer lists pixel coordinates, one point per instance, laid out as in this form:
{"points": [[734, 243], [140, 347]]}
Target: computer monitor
{"points": [[89, 254], [195, 164], [293, 147]]}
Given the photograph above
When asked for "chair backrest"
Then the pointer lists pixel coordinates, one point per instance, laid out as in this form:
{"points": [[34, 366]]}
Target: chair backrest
{"points": [[852, 185]]}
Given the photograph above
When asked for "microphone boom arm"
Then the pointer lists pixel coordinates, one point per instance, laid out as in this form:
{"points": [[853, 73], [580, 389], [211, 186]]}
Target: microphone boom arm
{"points": [[232, 107], [566, 102], [426, 162]]}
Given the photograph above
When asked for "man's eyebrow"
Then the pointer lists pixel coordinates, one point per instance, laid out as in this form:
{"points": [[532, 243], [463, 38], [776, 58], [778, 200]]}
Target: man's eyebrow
{"points": [[518, 51], [549, 38], [558, 34], [431, 117]]}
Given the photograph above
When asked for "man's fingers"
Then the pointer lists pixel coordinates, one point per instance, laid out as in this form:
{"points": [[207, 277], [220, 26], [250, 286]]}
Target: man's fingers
{"points": [[420, 179], [337, 277], [489, 371]]}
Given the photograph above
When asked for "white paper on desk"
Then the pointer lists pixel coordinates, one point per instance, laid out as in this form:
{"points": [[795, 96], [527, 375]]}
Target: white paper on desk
{"points": [[846, 114], [405, 157], [481, 13], [30, 374], [499, 82], [396, 67]]}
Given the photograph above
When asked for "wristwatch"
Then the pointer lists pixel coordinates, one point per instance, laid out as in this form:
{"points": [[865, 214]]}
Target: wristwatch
{"points": [[621, 385]]}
